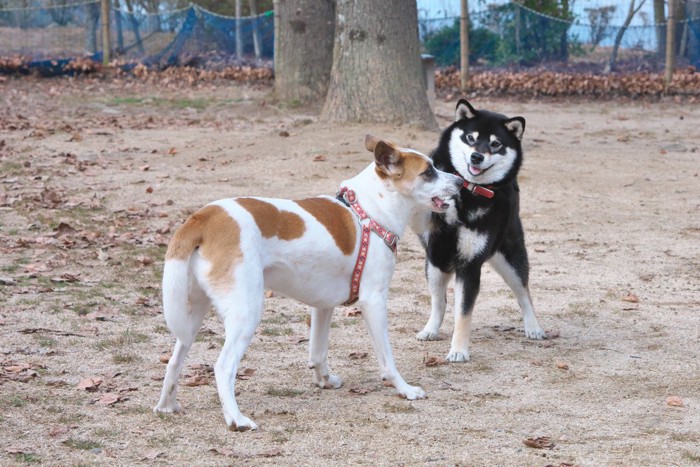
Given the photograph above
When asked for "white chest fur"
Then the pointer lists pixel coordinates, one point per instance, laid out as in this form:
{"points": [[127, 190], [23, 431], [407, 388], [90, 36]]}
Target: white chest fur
{"points": [[471, 243]]}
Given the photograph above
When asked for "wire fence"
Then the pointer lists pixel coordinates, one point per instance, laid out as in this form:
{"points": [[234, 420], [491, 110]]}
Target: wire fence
{"points": [[48, 36]]}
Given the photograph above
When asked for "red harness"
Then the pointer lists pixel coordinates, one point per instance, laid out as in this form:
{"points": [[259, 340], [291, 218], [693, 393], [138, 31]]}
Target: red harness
{"points": [[390, 238]]}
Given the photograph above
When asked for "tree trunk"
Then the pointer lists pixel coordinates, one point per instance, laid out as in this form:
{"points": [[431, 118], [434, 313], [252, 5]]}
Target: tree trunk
{"points": [[256, 31], [303, 49], [660, 22], [106, 43], [239, 39], [464, 46], [693, 39], [670, 45], [377, 70], [120, 28], [621, 32]]}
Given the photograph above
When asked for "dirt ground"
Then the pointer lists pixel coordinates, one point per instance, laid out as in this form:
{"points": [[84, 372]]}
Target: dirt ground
{"points": [[96, 175]]}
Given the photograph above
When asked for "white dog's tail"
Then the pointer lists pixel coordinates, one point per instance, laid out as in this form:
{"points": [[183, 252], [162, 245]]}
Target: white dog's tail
{"points": [[176, 276]]}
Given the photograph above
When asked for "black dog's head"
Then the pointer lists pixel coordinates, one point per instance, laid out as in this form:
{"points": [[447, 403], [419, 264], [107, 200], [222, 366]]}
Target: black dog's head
{"points": [[482, 146]]}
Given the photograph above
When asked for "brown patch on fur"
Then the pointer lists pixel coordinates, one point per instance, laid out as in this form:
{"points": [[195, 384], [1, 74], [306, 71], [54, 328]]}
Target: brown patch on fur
{"points": [[407, 168], [271, 221], [413, 165], [337, 220], [219, 238]]}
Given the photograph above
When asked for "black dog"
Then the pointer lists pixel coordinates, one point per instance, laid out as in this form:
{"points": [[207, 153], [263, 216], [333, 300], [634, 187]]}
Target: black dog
{"points": [[482, 225]]}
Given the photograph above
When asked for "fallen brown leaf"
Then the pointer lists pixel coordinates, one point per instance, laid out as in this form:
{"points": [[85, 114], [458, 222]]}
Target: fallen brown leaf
{"points": [[320, 158], [198, 380], [435, 361], [245, 374], [630, 297], [90, 384], [562, 366], [110, 398], [361, 391], [542, 442], [674, 401], [165, 357], [353, 312], [357, 355]]}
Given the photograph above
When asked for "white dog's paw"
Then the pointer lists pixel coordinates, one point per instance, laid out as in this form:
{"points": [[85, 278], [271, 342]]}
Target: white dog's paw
{"points": [[167, 408], [456, 357], [535, 332], [242, 423], [330, 382], [426, 335], [412, 393]]}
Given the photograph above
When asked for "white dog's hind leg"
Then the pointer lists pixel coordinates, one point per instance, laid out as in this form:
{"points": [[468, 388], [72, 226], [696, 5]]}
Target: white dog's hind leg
{"points": [[318, 349], [375, 316], [241, 311], [184, 322], [437, 284]]}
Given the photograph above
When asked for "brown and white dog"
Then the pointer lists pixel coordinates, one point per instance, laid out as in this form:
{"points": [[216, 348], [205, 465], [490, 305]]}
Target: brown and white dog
{"points": [[230, 251]]}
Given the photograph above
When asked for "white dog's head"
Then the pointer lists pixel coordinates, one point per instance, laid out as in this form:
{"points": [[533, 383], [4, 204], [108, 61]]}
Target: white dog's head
{"points": [[413, 174]]}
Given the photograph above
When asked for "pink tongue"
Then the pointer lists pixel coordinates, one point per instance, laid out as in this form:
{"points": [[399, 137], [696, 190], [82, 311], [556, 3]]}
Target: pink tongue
{"points": [[474, 170]]}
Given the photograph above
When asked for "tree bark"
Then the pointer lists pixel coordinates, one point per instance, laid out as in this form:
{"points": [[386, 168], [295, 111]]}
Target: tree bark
{"points": [[256, 32], [377, 69], [670, 45], [621, 32], [303, 49], [464, 46], [660, 22]]}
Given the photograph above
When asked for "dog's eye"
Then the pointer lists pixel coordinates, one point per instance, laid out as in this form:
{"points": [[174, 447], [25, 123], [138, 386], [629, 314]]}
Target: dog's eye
{"points": [[495, 145], [470, 139], [429, 172]]}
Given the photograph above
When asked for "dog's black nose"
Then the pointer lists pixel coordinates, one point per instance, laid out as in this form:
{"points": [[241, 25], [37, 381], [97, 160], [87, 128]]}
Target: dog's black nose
{"points": [[477, 158]]}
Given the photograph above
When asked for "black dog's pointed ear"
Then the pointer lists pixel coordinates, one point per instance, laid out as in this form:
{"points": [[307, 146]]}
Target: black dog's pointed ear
{"points": [[464, 110], [516, 125]]}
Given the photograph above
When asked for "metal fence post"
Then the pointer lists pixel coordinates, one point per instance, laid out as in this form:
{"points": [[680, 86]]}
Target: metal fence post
{"points": [[106, 45]]}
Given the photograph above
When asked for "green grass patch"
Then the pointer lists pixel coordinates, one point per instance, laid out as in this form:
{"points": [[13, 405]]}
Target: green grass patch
{"points": [[405, 407], [125, 339], [82, 444], [275, 331], [27, 458], [283, 392], [13, 401], [179, 103]]}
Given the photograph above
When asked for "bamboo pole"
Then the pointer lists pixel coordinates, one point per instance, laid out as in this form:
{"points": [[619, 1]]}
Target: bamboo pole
{"points": [[106, 46], [670, 44], [464, 46]]}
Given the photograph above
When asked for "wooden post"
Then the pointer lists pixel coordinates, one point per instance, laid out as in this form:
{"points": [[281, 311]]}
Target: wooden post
{"points": [[106, 46], [464, 46], [670, 44], [239, 39]]}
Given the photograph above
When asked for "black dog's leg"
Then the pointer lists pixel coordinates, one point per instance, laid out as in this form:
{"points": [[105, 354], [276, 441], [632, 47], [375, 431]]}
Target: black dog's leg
{"points": [[511, 263]]}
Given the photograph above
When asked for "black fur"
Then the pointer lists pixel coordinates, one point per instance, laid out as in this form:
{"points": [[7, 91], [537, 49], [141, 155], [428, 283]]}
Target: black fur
{"points": [[500, 219]]}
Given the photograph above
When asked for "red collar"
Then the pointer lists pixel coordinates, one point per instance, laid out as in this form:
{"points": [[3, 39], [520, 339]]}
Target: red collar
{"points": [[390, 238], [478, 190]]}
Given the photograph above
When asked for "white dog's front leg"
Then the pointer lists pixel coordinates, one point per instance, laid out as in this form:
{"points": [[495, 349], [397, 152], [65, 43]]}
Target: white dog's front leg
{"points": [[318, 349], [375, 315]]}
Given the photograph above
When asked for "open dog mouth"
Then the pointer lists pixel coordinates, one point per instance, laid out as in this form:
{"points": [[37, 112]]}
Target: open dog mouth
{"points": [[439, 204], [476, 171]]}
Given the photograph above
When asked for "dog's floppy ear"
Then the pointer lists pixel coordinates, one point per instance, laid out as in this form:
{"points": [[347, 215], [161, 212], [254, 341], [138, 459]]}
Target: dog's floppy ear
{"points": [[370, 142], [464, 110], [516, 125], [387, 158]]}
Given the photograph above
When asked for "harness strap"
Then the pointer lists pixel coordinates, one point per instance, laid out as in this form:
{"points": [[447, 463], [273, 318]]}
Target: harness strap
{"points": [[349, 198]]}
